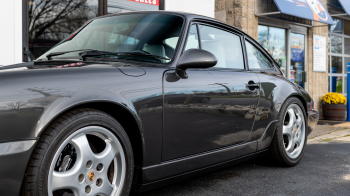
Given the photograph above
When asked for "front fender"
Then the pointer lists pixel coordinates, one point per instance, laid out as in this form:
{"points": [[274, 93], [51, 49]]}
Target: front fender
{"points": [[84, 96], [30, 100]]}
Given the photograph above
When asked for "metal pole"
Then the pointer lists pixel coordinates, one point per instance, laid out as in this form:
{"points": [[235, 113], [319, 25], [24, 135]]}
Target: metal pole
{"points": [[334, 81], [348, 93]]}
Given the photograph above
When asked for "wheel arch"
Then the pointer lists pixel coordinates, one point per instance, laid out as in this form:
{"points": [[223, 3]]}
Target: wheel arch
{"points": [[302, 100], [123, 115], [265, 141]]}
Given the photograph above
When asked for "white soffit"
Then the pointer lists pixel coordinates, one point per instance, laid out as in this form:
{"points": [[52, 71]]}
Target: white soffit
{"points": [[201, 7]]}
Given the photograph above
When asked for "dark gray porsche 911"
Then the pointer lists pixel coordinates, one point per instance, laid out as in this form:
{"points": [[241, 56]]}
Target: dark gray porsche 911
{"points": [[134, 101]]}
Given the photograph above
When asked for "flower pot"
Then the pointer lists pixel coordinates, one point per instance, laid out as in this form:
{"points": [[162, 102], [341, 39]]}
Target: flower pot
{"points": [[334, 111]]}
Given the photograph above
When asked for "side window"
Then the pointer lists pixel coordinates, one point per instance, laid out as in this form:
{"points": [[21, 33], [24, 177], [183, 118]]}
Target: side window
{"points": [[171, 42], [225, 46], [256, 59], [192, 40]]}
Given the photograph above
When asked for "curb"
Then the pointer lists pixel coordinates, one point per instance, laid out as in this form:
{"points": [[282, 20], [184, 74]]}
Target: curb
{"points": [[337, 135]]}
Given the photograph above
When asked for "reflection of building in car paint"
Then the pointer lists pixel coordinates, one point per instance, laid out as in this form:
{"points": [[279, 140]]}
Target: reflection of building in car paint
{"points": [[249, 112], [260, 113]]}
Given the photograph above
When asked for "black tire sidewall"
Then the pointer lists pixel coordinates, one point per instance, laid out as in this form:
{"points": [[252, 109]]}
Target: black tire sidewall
{"points": [[279, 131], [72, 126]]}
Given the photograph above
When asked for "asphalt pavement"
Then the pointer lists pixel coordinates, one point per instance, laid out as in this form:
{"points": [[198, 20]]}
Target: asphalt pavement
{"points": [[324, 170]]}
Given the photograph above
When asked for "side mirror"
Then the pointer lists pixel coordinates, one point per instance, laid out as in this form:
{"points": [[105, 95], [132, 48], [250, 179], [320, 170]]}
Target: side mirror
{"points": [[195, 58]]}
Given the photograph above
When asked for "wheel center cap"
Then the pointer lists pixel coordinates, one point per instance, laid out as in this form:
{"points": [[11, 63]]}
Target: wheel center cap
{"points": [[91, 176]]}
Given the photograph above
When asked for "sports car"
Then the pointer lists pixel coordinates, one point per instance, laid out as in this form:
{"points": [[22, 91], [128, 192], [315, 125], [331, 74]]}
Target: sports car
{"points": [[134, 101]]}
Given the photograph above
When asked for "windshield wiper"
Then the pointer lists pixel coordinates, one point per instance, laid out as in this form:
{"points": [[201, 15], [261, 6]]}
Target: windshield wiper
{"points": [[141, 54], [100, 53], [49, 56]]}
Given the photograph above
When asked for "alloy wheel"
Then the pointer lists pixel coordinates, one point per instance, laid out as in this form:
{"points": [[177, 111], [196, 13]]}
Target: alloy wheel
{"points": [[90, 161], [294, 131]]}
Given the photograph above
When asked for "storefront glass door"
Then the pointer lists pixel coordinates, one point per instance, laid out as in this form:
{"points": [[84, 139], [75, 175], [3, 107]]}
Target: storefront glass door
{"points": [[288, 47], [297, 64]]}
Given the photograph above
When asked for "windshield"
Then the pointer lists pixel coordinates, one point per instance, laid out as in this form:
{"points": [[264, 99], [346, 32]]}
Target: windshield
{"points": [[155, 34]]}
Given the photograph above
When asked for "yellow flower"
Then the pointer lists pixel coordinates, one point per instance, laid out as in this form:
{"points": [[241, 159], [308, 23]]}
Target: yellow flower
{"points": [[333, 98]]}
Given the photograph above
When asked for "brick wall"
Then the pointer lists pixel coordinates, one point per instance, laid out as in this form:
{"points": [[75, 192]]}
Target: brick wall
{"points": [[238, 13], [317, 81]]}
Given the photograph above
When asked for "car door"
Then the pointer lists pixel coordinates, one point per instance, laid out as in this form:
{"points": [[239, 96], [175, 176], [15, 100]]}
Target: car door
{"points": [[269, 77], [214, 107]]}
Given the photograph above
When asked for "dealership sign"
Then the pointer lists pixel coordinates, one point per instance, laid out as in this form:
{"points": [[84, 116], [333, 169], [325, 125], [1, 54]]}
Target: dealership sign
{"points": [[149, 2], [345, 5], [308, 9]]}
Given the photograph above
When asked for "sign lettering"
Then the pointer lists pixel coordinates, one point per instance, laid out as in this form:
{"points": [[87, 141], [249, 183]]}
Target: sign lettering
{"points": [[149, 2]]}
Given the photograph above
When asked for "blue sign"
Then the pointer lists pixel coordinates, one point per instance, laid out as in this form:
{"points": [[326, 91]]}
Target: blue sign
{"points": [[297, 55], [297, 43], [308, 9], [346, 5]]}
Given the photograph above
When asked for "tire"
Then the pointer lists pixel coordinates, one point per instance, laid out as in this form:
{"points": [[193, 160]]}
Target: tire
{"points": [[80, 151], [289, 141]]}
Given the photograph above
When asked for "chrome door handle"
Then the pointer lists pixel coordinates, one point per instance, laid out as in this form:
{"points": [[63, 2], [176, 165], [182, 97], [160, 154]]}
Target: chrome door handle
{"points": [[253, 85]]}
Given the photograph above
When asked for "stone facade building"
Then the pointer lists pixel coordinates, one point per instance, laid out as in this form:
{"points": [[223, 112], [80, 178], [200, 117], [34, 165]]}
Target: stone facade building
{"points": [[244, 14], [238, 13]]}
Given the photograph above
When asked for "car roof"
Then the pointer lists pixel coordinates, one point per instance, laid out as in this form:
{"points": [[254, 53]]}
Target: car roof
{"points": [[184, 14]]}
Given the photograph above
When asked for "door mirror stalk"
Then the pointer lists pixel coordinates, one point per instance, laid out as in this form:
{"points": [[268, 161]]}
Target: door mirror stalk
{"points": [[181, 73]]}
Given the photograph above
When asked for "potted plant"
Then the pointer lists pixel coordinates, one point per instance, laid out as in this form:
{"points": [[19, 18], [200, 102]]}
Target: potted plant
{"points": [[334, 106]]}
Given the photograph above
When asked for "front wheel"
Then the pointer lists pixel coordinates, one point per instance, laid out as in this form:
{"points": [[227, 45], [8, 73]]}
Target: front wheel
{"points": [[289, 141], [85, 152]]}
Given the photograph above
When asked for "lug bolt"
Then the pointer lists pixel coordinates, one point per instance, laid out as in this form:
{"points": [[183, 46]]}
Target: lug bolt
{"points": [[81, 178], [87, 189], [99, 167], [99, 182], [88, 164]]}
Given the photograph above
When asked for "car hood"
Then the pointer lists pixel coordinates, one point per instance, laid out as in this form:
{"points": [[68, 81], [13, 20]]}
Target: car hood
{"points": [[129, 69]]}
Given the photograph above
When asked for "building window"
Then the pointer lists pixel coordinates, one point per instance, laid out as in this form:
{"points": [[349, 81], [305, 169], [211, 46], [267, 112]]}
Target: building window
{"points": [[52, 21], [339, 55], [274, 41], [297, 64], [337, 27], [336, 44]]}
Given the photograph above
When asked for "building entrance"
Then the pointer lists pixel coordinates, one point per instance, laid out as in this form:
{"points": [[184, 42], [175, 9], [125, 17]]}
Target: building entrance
{"points": [[297, 57]]}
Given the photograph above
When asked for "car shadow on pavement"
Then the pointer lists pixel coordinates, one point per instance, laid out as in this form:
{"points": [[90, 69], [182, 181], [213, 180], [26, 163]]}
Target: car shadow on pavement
{"points": [[324, 170]]}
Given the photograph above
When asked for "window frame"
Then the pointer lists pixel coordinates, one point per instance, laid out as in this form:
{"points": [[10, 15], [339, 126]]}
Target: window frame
{"points": [[340, 55], [273, 69], [240, 36], [188, 34]]}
